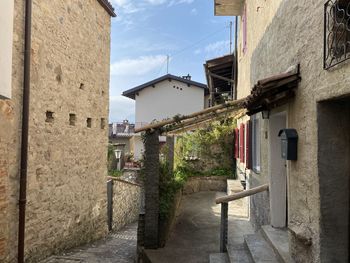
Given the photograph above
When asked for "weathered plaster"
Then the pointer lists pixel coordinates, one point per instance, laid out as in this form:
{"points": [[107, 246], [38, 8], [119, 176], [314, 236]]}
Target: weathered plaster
{"points": [[283, 33]]}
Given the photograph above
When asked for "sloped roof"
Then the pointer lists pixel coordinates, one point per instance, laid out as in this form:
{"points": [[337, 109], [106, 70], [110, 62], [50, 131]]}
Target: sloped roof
{"points": [[108, 7], [131, 92]]}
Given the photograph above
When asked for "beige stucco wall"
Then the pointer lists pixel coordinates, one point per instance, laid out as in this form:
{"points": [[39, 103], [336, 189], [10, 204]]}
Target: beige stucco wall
{"points": [[164, 101], [66, 193], [6, 40], [283, 33]]}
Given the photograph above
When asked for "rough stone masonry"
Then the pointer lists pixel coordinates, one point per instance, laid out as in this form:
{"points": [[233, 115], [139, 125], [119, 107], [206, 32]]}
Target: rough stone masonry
{"points": [[66, 195]]}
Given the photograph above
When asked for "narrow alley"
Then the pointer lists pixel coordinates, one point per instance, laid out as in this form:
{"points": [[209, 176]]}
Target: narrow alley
{"points": [[119, 247]]}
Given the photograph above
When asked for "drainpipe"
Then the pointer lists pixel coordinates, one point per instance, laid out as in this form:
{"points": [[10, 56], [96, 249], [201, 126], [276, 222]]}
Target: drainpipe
{"points": [[25, 128]]}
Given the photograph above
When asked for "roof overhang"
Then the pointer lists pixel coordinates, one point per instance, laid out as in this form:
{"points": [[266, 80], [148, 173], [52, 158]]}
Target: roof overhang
{"points": [[220, 75], [131, 93], [228, 7], [273, 92], [108, 7]]}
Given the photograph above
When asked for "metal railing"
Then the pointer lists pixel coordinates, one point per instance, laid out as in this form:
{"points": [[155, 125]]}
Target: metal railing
{"points": [[336, 32], [224, 211]]}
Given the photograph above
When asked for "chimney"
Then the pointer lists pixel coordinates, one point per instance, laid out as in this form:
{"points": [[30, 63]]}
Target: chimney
{"points": [[188, 77]]}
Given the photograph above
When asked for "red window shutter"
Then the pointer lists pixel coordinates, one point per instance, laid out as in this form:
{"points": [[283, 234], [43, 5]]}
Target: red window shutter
{"points": [[244, 22], [241, 143], [248, 148], [236, 143]]}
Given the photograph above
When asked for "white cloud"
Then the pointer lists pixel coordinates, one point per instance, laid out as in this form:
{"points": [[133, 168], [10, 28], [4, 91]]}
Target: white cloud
{"points": [[156, 2], [197, 51], [178, 2], [218, 48], [133, 6], [138, 66], [121, 108], [194, 11]]}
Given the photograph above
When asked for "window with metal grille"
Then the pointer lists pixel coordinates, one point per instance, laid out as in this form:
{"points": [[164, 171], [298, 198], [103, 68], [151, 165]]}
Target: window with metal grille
{"points": [[336, 32]]}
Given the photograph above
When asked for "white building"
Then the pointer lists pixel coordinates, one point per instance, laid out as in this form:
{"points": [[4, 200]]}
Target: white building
{"points": [[164, 98]]}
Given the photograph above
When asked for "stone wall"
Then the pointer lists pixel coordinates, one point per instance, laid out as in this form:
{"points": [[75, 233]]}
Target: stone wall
{"points": [[283, 33], [202, 183], [67, 165], [126, 203], [10, 132]]}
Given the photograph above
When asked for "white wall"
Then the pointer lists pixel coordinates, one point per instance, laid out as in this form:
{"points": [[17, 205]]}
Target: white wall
{"points": [[6, 40], [164, 101]]}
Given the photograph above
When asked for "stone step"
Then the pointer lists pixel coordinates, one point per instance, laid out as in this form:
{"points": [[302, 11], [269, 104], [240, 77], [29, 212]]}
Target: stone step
{"points": [[218, 258], [259, 249], [278, 240], [234, 186], [238, 253]]}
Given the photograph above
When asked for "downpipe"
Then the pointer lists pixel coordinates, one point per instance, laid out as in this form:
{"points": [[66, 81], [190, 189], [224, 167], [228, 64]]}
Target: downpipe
{"points": [[25, 129]]}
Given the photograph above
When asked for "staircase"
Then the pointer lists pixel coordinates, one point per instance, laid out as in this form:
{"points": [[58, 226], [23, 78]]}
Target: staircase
{"points": [[267, 245]]}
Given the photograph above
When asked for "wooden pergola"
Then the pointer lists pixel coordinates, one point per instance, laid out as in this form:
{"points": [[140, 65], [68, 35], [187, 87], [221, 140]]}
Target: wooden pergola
{"points": [[266, 94]]}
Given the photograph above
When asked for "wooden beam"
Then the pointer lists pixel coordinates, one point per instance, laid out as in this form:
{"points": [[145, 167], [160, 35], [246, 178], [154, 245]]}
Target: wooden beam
{"points": [[253, 191], [236, 104], [222, 78]]}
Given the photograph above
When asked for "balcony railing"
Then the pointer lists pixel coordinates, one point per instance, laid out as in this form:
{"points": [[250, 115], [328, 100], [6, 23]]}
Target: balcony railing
{"points": [[336, 32]]}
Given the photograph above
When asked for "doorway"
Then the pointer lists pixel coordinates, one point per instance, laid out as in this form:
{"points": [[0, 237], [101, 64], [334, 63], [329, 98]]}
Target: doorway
{"points": [[333, 157], [277, 172]]}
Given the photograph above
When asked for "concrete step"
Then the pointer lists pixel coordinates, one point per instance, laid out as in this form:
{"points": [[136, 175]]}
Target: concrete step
{"points": [[218, 258], [238, 253], [259, 249], [234, 186], [278, 240]]}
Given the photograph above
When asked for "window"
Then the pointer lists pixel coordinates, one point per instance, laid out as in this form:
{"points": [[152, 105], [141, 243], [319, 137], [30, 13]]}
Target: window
{"points": [[236, 143], [336, 32], [241, 143], [255, 143], [244, 28]]}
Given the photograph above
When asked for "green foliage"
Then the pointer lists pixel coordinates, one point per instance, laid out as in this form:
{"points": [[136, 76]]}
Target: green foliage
{"points": [[221, 172], [192, 150], [115, 173], [170, 183]]}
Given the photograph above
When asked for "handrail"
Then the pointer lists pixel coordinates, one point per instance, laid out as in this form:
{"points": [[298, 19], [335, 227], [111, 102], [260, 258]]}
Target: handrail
{"points": [[224, 211], [242, 194]]}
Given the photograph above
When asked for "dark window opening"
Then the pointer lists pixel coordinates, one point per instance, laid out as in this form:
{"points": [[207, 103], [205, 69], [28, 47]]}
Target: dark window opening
{"points": [[82, 86], [49, 116], [103, 123], [72, 119], [88, 122]]}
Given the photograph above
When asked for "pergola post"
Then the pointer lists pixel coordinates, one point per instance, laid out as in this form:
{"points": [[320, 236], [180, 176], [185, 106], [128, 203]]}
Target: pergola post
{"points": [[170, 142], [151, 173]]}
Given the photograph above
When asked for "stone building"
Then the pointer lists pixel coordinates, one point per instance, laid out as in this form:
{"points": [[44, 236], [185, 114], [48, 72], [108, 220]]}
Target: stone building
{"points": [[308, 197], [68, 124]]}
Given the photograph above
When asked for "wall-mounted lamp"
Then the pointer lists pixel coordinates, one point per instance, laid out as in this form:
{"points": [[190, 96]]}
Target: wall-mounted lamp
{"points": [[118, 154], [265, 114]]}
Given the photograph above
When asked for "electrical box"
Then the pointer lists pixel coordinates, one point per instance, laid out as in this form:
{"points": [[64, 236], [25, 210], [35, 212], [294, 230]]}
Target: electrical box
{"points": [[289, 143]]}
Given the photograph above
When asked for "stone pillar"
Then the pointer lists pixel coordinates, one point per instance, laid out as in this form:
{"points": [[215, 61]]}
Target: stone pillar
{"points": [[151, 173], [170, 142]]}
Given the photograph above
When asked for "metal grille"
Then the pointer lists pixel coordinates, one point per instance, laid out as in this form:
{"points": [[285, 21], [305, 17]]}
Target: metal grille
{"points": [[336, 32]]}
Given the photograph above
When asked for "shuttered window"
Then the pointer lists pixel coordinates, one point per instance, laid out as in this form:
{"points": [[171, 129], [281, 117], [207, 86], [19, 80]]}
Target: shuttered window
{"points": [[248, 146], [255, 143], [236, 150], [244, 22], [241, 143]]}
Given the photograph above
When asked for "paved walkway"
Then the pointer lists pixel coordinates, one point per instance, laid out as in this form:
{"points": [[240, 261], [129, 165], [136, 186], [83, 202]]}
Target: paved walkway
{"points": [[119, 247], [196, 233]]}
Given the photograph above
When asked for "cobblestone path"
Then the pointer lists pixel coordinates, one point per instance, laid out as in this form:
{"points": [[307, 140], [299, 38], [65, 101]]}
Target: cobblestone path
{"points": [[118, 247]]}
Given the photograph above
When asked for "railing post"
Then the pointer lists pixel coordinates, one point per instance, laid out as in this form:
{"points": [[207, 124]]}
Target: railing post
{"points": [[110, 204], [223, 227]]}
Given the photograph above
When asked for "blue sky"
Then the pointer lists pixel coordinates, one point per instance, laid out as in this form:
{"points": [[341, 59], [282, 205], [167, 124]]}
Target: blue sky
{"points": [[146, 31]]}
